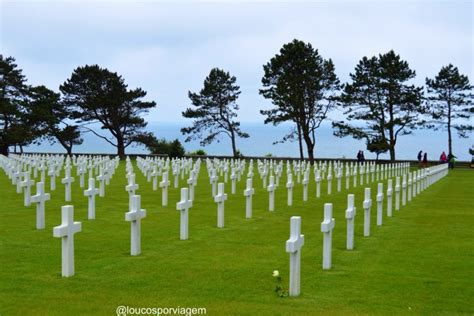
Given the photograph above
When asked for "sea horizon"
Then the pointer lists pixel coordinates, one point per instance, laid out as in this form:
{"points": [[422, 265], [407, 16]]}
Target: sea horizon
{"points": [[263, 136]]}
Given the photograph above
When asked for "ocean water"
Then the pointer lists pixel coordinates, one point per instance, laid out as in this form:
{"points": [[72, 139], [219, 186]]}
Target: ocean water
{"points": [[263, 136]]}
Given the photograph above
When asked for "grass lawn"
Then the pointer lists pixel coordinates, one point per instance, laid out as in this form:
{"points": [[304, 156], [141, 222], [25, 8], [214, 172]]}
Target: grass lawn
{"points": [[420, 261]]}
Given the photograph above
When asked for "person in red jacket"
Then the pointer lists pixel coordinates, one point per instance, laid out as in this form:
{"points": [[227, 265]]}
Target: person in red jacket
{"points": [[443, 157]]}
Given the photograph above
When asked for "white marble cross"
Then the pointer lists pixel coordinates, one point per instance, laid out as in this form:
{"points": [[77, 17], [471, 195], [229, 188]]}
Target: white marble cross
{"points": [[410, 181], [326, 228], [354, 170], [318, 183], [19, 186], [397, 193], [350, 214], [40, 198], [81, 170], [191, 183], [279, 170], [155, 175], [264, 177], [233, 177], [418, 180], [131, 187], [67, 181], [27, 183], [338, 176], [176, 177], [250, 173], [415, 184], [248, 192], [329, 179], [423, 179], [389, 197], [366, 205], [183, 206], [134, 216], [293, 247], [91, 192], [66, 232], [213, 178], [379, 204], [305, 185], [15, 176], [404, 189], [289, 186], [101, 178], [220, 198], [271, 194], [52, 175], [226, 174], [348, 176], [164, 184]]}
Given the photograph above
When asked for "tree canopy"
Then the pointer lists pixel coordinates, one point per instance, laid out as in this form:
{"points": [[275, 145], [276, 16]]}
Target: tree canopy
{"points": [[302, 86], [54, 118], [380, 105], [215, 110], [14, 126], [98, 95], [450, 100]]}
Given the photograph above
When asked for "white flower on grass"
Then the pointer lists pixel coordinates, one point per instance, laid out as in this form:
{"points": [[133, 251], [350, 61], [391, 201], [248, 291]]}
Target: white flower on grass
{"points": [[276, 274]]}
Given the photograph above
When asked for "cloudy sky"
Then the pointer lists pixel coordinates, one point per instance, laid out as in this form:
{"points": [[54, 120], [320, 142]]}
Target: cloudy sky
{"points": [[168, 48]]}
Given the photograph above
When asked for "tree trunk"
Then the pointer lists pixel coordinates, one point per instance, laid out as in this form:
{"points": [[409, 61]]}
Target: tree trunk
{"points": [[450, 140], [300, 141], [120, 149], [309, 146], [65, 146], [4, 150], [234, 148], [311, 156], [392, 152]]}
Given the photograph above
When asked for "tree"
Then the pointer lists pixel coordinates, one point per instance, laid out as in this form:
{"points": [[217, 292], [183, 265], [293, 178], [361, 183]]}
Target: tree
{"points": [[302, 86], [99, 95], [215, 110], [450, 102], [176, 149], [54, 118], [156, 146], [379, 100], [377, 146], [13, 102]]}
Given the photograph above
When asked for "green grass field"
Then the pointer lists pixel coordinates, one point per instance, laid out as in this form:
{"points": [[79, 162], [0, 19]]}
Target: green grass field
{"points": [[420, 261]]}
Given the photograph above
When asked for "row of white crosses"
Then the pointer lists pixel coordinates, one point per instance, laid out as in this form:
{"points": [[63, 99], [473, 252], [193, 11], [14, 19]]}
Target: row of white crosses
{"points": [[421, 179], [13, 166], [55, 165], [135, 214], [68, 227], [154, 167], [270, 168]]}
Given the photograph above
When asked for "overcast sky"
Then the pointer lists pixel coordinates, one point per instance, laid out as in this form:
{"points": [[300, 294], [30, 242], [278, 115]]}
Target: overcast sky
{"points": [[167, 48]]}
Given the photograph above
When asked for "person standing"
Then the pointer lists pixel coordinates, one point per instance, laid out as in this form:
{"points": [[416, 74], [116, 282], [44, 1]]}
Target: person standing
{"points": [[425, 159], [420, 155], [443, 158], [451, 161]]}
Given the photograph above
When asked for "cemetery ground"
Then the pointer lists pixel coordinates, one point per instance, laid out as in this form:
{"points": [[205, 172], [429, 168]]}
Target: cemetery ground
{"points": [[420, 261]]}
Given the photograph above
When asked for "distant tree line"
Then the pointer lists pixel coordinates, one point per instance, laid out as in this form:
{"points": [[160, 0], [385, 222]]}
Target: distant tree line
{"points": [[379, 104]]}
